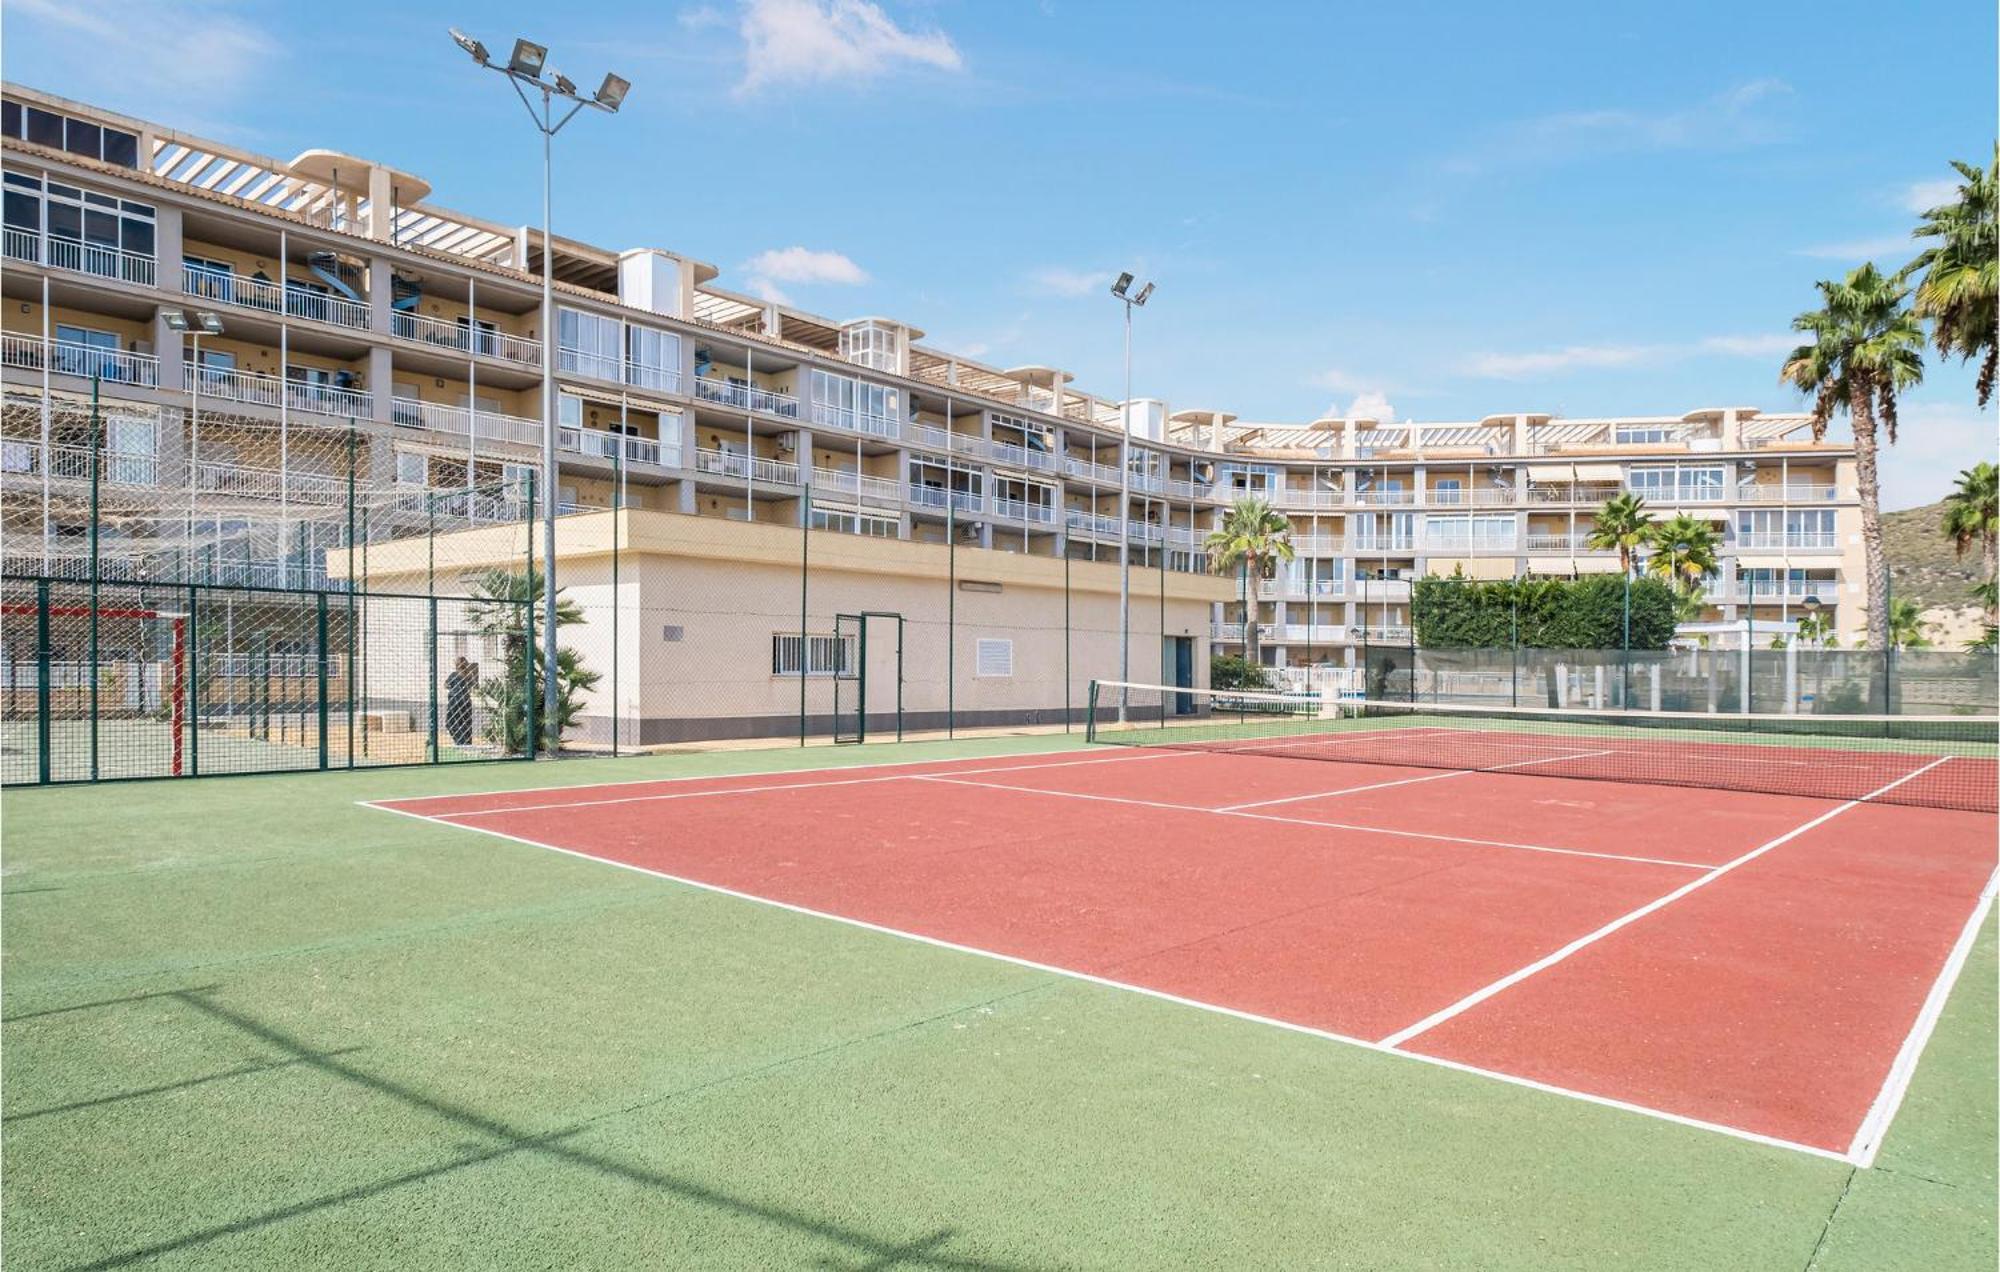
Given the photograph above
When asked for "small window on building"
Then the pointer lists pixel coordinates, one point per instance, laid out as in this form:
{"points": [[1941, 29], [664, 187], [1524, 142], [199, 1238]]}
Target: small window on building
{"points": [[121, 148], [824, 655], [81, 137], [45, 128], [993, 658]]}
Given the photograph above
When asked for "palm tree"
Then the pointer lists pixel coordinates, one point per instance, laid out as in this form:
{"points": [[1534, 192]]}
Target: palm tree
{"points": [[507, 605], [1906, 627], [1684, 552], [1251, 534], [1624, 524], [1866, 348], [1816, 630], [1972, 516], [1961, 271]]}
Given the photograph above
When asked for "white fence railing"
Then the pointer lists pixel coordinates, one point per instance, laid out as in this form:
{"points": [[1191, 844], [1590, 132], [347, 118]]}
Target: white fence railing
{"points": [[463, 337], [878, 490], [491, 425], [100, 259], [86, 361], [756, 469], [746, 397], [848, 418], [266, 296]]}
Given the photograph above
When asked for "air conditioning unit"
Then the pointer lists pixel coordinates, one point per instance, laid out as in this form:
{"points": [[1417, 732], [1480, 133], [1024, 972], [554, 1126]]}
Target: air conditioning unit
{"points": [[787, 443]]}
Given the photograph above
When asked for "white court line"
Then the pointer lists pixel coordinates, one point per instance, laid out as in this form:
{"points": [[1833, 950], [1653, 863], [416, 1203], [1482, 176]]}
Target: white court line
{"points": [[1510, 1079], [1307, 821], [1542, 964], [1874, 1127], [1407, 781], [758, 790]]}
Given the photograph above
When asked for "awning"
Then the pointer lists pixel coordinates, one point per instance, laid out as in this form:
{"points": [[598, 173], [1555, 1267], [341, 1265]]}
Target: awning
{"points": [[1760, 562], [1582, 472], [1473, 567]]}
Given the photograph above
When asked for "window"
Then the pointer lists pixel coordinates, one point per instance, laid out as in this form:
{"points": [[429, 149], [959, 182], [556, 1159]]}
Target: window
{"points": [[993, 658], [1447, 490], [1644, 434], [1789, 527], [1678, 485], [588, 344], [851, 521], [652, 358], [92, 232], [869, 345], [1476, 533], [412, 468], [824, 655], [856, 404], [77, 136]]}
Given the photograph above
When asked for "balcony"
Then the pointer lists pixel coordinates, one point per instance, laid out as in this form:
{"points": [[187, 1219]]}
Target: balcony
{"points": [[596, 365], [934, 497], [462, 337], [1565, 544], [1381, 635], [265, 296], [1795, 540], [1477, 497], [875, 490], [257, 389], [1317, 545], [111, 366], [1091, 525], [1022, 456], [22, 457], [746, 397], [749, 468], [1468, 545], [1311, 499], [659, 379], [1372, 590], [1301, 589], [602, 444], [843, 417], [99, 259], [1102, 474], [1795, 493], [1383, 545], [1226, 631], [943, 440], [1772, 592], [238, 481], [1563, 493], [1385, 498], [480, 507], [490, 425], [1317, 633], [1021, 510]]}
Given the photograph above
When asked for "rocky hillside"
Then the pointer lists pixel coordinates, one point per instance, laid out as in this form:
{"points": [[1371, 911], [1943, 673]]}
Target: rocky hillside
{"points": [[1921, 565]]}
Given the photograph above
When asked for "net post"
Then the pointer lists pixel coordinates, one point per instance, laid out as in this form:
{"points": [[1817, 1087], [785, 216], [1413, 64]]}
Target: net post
{"points": [[42, 758], [96, 565], [531, 739], [1090, 714]]}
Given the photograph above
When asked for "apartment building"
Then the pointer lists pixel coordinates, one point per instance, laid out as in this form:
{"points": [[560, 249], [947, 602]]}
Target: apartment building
{"points": [[255, 327]]}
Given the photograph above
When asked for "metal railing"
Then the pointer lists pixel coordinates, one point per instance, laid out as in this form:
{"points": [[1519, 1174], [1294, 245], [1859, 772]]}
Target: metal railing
{"points": [[1091, 524], [1566, 493], [1022, 456], [244, 482], [258, 389], [607, 445], [23, 457], [491, 425], [99, 259], [462, 337], [269, 297], [112, 366], [1809, 540], [934, 497], [879, 490], [746, 397], [1103, 474], [1476, 497], [597, 365], [735, 464], [1577, 544], [662, 379], [846, 418], [1794, 493], [1022, 510]]}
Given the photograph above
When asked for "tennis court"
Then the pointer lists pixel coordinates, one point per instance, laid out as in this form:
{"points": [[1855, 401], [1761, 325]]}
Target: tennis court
{"points": [[1753, 934]]}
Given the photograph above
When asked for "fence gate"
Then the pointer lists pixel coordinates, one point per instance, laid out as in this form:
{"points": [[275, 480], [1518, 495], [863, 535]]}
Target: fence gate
{"points": [[850, 673]]}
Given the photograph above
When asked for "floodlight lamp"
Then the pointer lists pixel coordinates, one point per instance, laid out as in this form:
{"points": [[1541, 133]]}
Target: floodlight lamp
{"points": [[527, 58], [612, 92], [175, 319], [209, 322], [564, 84], [1811, 604], [471, 46], [1144, 292], [1118, 288]]}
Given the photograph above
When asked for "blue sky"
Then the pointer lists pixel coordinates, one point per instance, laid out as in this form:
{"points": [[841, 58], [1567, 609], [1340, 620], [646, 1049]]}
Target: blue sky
{"points": [[1453, 209]]}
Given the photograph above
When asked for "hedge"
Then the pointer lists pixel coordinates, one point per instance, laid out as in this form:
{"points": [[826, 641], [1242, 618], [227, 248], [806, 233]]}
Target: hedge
{"points": [[1584, 613]]}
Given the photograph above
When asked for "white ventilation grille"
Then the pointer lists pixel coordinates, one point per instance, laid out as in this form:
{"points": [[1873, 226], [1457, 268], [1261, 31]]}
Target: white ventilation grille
{"points": [[993, 658]]}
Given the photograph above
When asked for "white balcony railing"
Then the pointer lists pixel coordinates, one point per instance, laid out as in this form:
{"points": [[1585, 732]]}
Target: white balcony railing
{"points": [[1797, 540], [1383, 634], [934, 497], [1477, 497], [1384, 498], [1564, 493], [1794, 493], [257, 389], [1039, 514], [1378, 545], [844, 417], [23, 457], [597, 365], [1023, 456], [746, 397], [1103, 474], [491, 425], [1312, 499], [240, 481], [273, 298], [1567, 544], [1474, 544], [1225, 631], [112, 366], [99, 259], [1370, 590], [462, 337], [1318, 633], [876, 490], [751, 468], [945, 440], [1090, 524], [603, 444], [1316, 545], [660, 379]]}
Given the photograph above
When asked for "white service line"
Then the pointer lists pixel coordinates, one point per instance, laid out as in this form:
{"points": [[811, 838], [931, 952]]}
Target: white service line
{"points": [[1308, 821], [1510, 1079], [1406, 781], [1547, 961], [759, 790], [1868, 1140]]}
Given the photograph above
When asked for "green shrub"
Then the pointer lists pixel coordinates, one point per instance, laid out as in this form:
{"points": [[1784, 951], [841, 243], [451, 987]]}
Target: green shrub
{"points": [[1585, 613], [1232, 671]]}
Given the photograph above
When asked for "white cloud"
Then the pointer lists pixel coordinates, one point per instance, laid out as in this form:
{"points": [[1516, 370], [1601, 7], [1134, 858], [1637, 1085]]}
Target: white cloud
{"points": [[788, 42], [184, 59], [1737, 116], [1855, 251], [1340, 381], [804, 265], [1922, 196], [1523, 366], [766, 290], [1054, 280], [702, 17], [1373, 405]]}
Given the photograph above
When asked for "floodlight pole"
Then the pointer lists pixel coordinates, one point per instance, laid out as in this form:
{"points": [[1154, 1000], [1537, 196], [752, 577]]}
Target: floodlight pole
{"points": [[1124, 524], [546, 123]]}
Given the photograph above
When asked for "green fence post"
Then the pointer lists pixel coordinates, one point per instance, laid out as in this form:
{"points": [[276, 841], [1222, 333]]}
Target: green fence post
{"points": [[1068, 684], [531, 738], [320, 597], [96, 568], [43, 765], [193, 683], [1090, 715], [805, 585]]}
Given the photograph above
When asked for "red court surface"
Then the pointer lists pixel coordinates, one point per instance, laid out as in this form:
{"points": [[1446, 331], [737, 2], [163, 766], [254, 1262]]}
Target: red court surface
{"points": [[1767, 966]]}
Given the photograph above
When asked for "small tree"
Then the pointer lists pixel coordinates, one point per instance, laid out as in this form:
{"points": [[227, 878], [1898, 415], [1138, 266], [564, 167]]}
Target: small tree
{"points": [[506, 606], [1684, 552], [1972, 519], [1622, 524], [1252, 533]]}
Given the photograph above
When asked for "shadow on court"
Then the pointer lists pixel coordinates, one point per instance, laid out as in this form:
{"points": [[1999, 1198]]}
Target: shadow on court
{"points": [[863, 1250]]}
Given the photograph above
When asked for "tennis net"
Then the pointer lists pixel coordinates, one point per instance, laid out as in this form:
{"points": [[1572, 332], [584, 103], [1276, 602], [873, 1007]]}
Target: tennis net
{"points": [[1933, 761]]}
